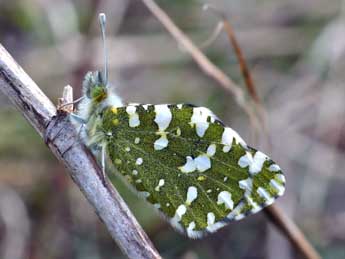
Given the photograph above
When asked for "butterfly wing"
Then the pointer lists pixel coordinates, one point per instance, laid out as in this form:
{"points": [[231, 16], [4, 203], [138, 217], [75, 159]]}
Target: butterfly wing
{"points": [[183, 160]]}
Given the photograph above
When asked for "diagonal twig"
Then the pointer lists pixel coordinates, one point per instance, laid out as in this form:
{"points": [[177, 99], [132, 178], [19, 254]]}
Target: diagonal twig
{"points": [[291, 231], [62, 140], [278, 217]]}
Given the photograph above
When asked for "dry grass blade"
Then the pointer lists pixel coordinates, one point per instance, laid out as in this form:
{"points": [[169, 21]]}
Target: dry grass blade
{"points": [[238, 51], [243, 64]]}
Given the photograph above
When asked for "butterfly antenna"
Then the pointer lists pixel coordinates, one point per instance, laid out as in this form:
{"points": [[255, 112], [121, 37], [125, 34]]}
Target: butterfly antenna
{"points": [[102, 21]]}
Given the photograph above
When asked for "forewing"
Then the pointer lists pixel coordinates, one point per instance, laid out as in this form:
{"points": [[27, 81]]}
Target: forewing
{"points": [[182, 159]]}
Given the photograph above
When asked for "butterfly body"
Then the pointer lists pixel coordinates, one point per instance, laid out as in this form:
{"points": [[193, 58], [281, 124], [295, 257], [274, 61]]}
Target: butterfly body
{"points": [[197, 172]]}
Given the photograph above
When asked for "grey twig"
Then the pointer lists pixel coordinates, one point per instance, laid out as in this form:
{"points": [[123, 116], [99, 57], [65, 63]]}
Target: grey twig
{"points": [[62, 140]]}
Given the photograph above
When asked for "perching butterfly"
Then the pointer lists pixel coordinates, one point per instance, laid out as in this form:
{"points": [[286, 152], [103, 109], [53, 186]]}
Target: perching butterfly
{"points": [[182, 159]]}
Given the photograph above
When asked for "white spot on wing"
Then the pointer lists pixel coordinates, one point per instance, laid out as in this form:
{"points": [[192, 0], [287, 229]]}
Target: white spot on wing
{"points": [[227, 138], [239, 216], [201, 128], [265, 195], [258, 162], [134, 120], [202, 163], [225, 197], [255, 164], [211, 225], [131, 109], [226, 149], [211, 150], [199, 119], [133, 116], [163, 116], [136, 140], [280, 177], [255, 207], [180, 211], [247, 185], [192, 194], [210, 218], [191, 226], [179, 106], [139, 161], [160, 184], [245, 160], [280, 188], [161, 143], [189, 166], [274, 168], [236, 212]]}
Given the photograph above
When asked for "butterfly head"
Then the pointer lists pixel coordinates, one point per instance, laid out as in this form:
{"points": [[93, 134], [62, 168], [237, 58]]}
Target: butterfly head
{"points": [[94, 87]]}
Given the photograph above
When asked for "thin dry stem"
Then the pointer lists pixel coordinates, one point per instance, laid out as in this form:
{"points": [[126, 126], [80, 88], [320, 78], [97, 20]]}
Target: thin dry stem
{"points": [[248, 79], [260, 110], [291, 231]]}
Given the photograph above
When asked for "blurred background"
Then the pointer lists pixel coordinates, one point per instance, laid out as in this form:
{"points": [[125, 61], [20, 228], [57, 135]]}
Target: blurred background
{"points": [[296, 53]]}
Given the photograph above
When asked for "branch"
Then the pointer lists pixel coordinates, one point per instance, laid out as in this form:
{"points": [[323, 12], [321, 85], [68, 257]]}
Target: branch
{"points": [[62, 140], [278, 217]]}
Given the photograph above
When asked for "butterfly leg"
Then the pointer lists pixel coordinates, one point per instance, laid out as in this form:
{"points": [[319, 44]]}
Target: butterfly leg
{"points": [[78, 118], [103, 160], [82, 126]]}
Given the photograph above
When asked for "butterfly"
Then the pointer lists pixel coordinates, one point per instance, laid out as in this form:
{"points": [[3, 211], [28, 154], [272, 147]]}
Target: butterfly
{"points": [[182, 159]]}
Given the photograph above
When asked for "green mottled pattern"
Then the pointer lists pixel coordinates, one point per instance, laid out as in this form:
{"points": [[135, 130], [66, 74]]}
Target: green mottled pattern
{"points": [[156, 174]]}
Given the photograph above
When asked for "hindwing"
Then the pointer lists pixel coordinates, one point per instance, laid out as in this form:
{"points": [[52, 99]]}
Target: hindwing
{"points": [[182, 159]]}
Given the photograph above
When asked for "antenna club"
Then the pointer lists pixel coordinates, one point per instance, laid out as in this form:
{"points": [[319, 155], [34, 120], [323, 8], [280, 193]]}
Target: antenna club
{"points": [[102, 18], [102, 21]]}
